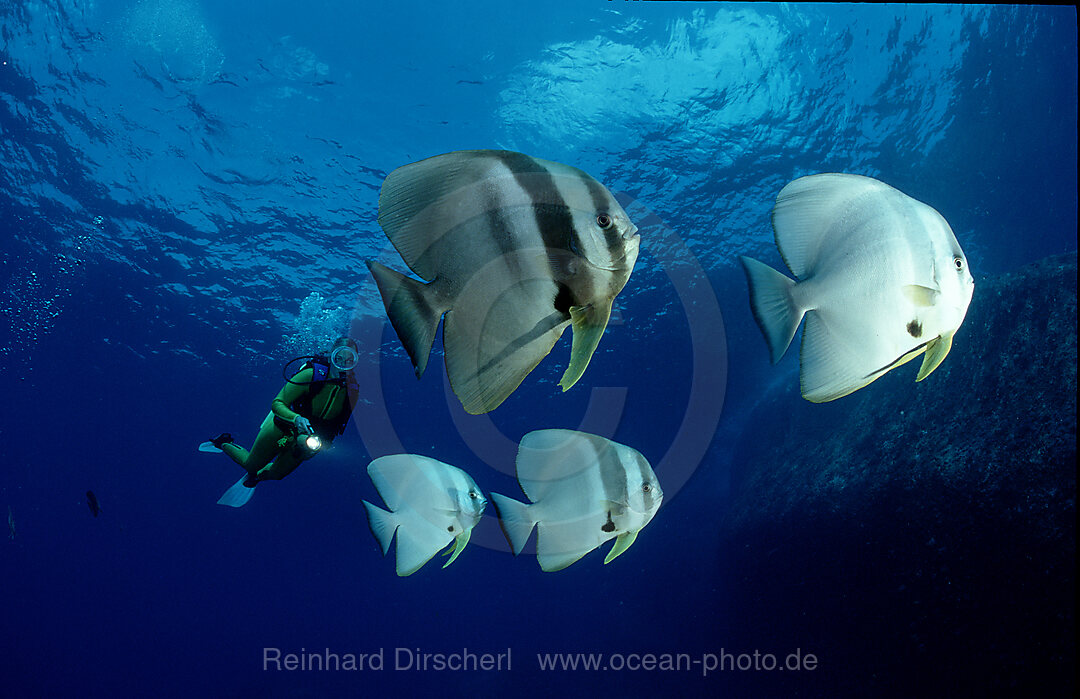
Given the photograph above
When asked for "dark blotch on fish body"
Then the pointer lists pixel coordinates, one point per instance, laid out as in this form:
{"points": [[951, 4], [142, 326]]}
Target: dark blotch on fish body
{"points": [[564, 300], [608, 526], [914, 328], [92, 501]]}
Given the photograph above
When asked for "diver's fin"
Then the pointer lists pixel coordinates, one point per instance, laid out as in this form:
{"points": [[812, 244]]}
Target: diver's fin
{"points": [[238, 495], [209, 448]]}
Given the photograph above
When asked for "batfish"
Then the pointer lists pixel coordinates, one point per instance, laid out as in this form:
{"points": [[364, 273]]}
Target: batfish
{"points": [[511, 249], [584, 490], [432, 504], [881, 280]]}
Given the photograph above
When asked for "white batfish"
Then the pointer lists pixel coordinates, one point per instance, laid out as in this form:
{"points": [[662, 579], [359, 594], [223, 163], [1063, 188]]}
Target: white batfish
{"points": [[585, 490], [881, 280], [513, 249], [432, 503]]}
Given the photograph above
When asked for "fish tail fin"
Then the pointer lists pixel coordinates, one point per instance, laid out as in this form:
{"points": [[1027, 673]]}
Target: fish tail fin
{"points": [[236, 496], [382, 523], [774, 309], [515, 521], [413, 313]]}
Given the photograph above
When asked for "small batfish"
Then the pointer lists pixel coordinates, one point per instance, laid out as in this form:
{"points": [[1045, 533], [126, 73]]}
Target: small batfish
{"points": [[92, 502], [585, 490], [11, 524], [881, 280], [432, 504], [513, 249]]}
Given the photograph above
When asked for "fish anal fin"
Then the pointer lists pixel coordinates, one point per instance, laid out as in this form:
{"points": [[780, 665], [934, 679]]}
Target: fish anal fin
{"points": [[588, 323], [495, 335]]}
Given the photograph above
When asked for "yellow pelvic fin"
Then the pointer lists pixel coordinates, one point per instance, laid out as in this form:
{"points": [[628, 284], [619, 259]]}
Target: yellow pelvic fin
{"points": [[588, 323], [936, 350], [460, 542], [621, 544]]}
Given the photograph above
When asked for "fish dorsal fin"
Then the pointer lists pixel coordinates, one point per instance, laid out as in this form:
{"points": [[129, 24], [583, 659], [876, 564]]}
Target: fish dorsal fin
{"points": [[412, 481], [810, 211], [420, 202], [547, 458]]}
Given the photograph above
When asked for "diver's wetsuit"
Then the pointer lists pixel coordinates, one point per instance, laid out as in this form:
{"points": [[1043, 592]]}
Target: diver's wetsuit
{"points": [[325, 404]]}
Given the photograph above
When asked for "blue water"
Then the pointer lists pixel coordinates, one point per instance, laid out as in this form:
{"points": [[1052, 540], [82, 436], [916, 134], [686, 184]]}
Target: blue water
{"points": [[189, 192]]}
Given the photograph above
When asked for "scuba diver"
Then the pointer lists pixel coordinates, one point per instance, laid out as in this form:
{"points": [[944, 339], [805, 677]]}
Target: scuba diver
{"points": [[311, 409]]}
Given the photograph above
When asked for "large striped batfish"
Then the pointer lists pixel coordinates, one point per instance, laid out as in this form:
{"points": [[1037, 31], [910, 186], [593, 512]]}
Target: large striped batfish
{"points": [[881, 280], [432, 505], [585, 490], [513, 249]]}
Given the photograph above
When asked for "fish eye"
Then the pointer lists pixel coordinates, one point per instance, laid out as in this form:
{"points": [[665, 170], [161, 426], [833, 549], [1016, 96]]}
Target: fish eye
{"points": [[958, 262], [646, 487], [604, 221], [472, 494]]}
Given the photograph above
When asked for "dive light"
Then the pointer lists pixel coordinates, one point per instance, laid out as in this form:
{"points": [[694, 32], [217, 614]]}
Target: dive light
{"points": [[307, 445]]}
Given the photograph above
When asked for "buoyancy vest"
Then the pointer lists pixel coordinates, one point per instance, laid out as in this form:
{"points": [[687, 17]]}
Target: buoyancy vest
{"points": [[325, 428]]}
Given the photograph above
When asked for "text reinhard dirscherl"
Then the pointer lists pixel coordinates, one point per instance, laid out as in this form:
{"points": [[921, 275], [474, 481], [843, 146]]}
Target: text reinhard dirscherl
{"points": [[400, 659]]}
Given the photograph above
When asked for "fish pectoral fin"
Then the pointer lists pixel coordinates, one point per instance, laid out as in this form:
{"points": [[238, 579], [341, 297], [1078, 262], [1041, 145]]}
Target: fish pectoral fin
{"points": [[588, 323], [460, 542], [936, 351], [920, 295], [622, 543]]}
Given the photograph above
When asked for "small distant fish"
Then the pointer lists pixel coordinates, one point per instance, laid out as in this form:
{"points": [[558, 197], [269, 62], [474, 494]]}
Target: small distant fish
{"points": [[92, 501], [513, 249], [432, 504], [585, 490], [11, 524], [881, 280]]}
